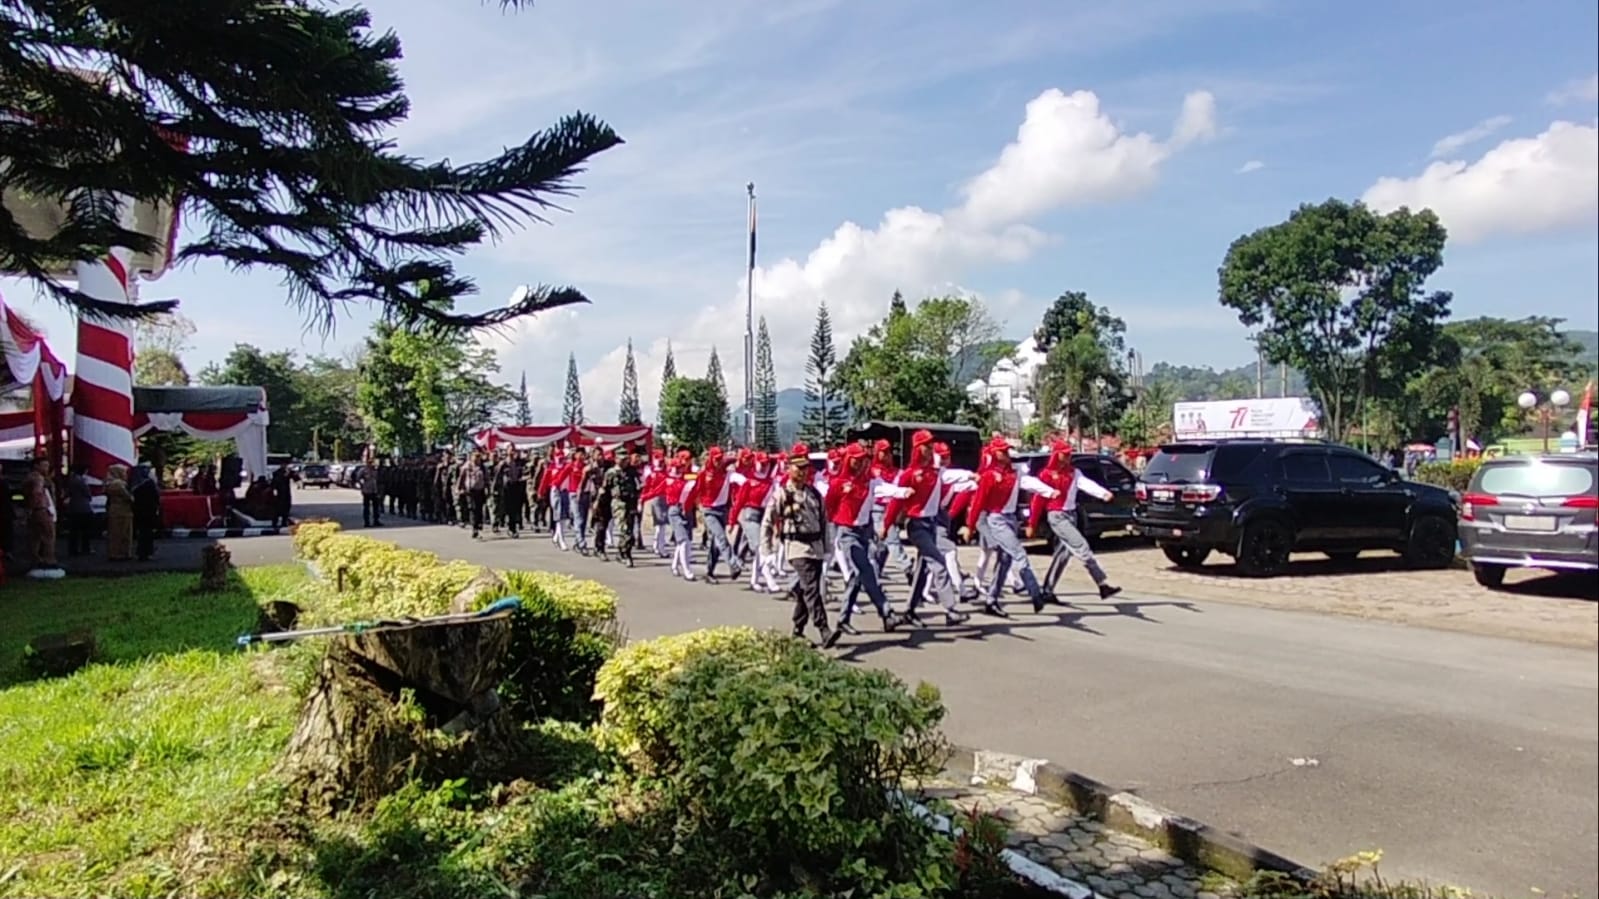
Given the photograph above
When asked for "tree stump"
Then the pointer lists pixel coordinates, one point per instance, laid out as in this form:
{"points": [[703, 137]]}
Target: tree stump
{"points": [[54, 655], [215, 563], [485, 579], [391, 705]]}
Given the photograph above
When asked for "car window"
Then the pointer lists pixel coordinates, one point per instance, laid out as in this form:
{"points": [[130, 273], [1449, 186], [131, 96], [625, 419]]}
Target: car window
{"points": [[1232, 459], [1180, 464], [1090, 469], [1116, 476], [1303, 467], [1536, 479], [1348, 468]]}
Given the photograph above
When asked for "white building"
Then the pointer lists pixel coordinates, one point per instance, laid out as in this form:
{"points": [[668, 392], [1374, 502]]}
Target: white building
{"points": [[1012, 385]]}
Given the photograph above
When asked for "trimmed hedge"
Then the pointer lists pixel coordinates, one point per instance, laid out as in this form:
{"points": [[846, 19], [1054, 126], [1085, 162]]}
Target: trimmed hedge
{"points": [[633, 684], [1456, 474], [565, 629]]}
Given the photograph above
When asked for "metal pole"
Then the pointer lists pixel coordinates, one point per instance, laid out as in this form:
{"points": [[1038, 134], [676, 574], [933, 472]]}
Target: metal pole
{"points": [[749, 330]]}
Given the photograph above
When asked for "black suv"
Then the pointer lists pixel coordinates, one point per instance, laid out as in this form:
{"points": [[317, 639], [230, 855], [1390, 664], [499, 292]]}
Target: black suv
{"points": [[1095, 517], [1260, 500]]}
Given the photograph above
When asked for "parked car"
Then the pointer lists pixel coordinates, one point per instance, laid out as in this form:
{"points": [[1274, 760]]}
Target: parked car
{"points": [[1531, 512], [1259, 500], [316, 474], [1095, 517]]}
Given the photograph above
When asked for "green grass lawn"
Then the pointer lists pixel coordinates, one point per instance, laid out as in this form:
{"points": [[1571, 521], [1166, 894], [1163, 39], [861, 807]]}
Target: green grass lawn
{"points": [[150, 760]]}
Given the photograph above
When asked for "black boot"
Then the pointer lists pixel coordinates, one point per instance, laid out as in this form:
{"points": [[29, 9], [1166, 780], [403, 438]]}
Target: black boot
{"points": [[1106, 591]]}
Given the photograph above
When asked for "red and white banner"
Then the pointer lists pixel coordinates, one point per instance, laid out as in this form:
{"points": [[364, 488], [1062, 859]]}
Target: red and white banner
{"points": [[1293, 416], [28, 358], [534, 436]]}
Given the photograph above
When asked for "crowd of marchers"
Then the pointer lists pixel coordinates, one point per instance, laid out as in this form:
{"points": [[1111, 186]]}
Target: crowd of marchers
{"points": [[787, 521]]}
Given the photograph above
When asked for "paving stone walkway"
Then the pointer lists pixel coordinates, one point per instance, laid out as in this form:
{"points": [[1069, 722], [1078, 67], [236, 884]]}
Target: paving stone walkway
{"points": [[1114, 864]]}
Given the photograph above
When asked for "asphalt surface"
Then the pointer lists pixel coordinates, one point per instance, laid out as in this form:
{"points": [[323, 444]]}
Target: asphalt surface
{"points": [[1468, 760]]}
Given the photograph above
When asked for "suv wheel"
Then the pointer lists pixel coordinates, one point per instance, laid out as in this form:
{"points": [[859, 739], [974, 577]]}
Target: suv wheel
{"points": [[1490, 576], [1432, 542], [1264, 548], [1188, 557]]}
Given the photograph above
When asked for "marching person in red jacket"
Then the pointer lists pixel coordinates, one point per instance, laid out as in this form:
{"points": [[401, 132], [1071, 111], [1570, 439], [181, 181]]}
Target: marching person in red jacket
{"points": [[678, 491], [995, 505], [920, 510], [652, 494], [849, 500], [886, 543], [960, 486], [752, 483], [560, 501], [713, 494], [1059, 510]]}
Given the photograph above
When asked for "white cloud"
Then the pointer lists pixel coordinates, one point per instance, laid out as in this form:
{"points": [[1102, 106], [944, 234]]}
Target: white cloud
{"points": [[1580, 90], [1454, 142], [1253, 165], [1523, 186], [1066, 152]]}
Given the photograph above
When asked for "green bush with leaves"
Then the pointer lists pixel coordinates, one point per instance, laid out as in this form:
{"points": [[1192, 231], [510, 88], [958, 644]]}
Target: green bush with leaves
{"points": [[633, 685], [799, 755], [1454, 475]]}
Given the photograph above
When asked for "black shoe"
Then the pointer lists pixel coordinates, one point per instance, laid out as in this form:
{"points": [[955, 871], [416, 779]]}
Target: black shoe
{"points": [[844, 627], [1038, 603], [630, 561], [1050, 597], [956, 616], [889, 624], [911, 619], [711, 579], [993, 608], [1106, 591], [830, 639]]}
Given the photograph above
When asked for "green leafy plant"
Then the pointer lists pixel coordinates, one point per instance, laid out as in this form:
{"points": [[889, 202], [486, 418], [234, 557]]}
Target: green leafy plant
{"points": [[1456, 474]]}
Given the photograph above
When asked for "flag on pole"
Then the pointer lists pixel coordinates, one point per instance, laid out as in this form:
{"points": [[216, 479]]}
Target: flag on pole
{"points": [[752, 227]]}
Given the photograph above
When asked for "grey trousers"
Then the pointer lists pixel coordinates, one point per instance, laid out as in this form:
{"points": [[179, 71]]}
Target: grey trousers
{"points": [[720, 547], [749, 527], [1007, 542], [922, 534], [887, 549], [678, 523], [1069, 544], [856, 543]]}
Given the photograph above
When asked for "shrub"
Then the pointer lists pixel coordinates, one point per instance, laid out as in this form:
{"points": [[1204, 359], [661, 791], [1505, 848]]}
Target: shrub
{"points": [[552, 662], [632, 684], [309, 537], [589, 603], [798, 755], [1454, 475]]}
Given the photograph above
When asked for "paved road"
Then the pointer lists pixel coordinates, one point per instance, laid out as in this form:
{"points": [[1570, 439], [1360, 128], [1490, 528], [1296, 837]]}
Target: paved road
{"points": [[1469, 760]]}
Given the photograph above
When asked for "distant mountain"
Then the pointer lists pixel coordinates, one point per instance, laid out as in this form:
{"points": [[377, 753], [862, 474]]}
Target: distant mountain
{"points": [[790, 408], [1590, 345]]}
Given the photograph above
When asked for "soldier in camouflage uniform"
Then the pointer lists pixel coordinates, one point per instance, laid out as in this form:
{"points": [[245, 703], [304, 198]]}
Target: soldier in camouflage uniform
{"points": [[622, 482], [443, 509], [600, 503]]}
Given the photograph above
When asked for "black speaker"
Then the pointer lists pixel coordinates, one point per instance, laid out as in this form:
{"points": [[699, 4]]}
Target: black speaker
{"points": [[232, 472]]}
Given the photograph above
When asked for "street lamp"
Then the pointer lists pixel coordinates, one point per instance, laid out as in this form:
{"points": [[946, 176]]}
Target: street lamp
{"points": [[1558, 400]]}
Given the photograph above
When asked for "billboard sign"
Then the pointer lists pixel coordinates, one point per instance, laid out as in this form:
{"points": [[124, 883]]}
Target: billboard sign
{"points": [[1292, 416]]}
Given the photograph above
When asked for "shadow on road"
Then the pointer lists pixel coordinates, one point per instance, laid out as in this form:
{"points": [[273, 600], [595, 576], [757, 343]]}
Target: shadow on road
{"points": [[982, 627]]}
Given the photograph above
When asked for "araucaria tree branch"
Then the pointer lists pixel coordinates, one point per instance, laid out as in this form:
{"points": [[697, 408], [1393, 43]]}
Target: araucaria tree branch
{"points": [[268, 120]]}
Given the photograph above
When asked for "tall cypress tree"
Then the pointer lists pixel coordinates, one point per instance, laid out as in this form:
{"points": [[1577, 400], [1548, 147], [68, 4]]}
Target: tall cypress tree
{"points": [[629, 414], [524, 407], [713, 373], [668, 375], [288, 160], [765, 392], [825, 419], [572, 411]]}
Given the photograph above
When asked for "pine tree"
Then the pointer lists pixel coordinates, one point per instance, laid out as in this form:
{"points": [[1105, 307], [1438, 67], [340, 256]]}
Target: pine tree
{"points": [[825, 418], [713, 374], [668, 375], [629, 413], [285, 166], [524, 407], [572, 411], [765, 392]]}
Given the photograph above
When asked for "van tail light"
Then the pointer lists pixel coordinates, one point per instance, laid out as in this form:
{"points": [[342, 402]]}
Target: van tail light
{"points": [[1471, 502], [1201, 493], [1588, 501], [1141, 492]]}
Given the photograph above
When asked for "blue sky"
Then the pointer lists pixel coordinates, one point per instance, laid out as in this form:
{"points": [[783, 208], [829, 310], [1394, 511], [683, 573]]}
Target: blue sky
{"points": [[1012, 150]]}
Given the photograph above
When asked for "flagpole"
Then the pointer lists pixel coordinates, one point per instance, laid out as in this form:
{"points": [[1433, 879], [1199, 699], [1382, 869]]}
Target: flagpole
{"points": [[749, 330]]}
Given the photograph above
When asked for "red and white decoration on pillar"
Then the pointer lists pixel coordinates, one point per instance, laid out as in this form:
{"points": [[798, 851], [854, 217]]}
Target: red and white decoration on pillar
{"points": [[102, 393]]}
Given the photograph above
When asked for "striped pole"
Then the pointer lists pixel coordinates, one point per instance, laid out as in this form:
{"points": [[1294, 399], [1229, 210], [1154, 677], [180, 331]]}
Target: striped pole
{"points": [[102, 392]]}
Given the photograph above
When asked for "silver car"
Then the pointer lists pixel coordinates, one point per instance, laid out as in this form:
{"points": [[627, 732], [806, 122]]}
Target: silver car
{"points": [[1531, 512]]}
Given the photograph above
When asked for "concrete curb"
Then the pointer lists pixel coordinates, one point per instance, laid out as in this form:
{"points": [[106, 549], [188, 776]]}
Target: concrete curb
{"points": [[1193, 842]]}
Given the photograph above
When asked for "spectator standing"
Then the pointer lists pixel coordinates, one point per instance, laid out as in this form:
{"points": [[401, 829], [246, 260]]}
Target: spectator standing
{"points": [[146, 492], [80, 511], [282, 497], [371, 496]]}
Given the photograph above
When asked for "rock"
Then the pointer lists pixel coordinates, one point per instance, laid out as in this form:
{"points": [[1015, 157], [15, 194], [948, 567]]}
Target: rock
{"points": [[485, 579], [53, 655]]}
